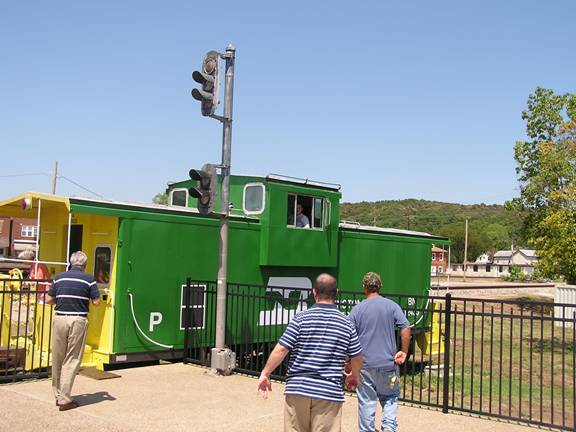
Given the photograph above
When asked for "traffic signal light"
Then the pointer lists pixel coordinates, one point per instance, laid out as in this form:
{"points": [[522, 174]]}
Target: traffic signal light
{"points": [[205, 192], [209, 78]]}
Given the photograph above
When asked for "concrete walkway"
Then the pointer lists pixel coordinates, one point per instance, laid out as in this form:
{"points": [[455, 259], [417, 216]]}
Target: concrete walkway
{"points": [[177, 397]]}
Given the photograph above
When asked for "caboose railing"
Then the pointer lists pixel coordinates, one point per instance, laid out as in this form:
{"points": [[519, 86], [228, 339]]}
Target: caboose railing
{"points": [[25, 330]]}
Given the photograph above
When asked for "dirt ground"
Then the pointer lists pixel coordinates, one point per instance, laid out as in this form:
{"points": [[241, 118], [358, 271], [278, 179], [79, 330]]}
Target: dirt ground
{"points": [[178, 397]]}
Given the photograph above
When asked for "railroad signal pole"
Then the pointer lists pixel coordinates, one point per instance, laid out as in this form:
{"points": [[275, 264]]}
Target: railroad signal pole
{"points": [[206, 189], [222, 360], [209, 78]]}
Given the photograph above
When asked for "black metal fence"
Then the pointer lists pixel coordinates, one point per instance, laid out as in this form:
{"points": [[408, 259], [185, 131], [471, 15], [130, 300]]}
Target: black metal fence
{"points": [[25, 330], [511, 359]]}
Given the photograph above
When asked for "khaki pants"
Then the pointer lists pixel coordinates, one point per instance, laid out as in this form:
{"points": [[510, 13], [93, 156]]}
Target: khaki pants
{"points": [[68, 339], [304, 414]]}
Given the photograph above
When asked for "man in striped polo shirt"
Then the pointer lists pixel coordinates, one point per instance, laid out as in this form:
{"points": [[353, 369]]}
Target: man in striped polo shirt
{"points": [[71, 292], [319, 340]]}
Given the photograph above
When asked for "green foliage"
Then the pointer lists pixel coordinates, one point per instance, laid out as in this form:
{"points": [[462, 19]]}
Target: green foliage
{"points": [[546, 168], [544, 114], [478, 241], [491, 227], [516, 274], [557, 244], [160, 198], [545, 164], [498, 237]]}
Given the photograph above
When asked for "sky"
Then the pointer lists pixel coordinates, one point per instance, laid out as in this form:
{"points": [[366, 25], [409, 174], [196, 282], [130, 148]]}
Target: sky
{"points": [[391, 100]]}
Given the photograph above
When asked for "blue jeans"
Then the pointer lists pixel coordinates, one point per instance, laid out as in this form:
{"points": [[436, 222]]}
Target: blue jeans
{"points": [[378, 384]]}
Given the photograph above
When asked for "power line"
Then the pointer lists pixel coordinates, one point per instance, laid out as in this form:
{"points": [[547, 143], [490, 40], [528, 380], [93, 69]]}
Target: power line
{"points": [[48, 175], [80, 186], [24, 175]]}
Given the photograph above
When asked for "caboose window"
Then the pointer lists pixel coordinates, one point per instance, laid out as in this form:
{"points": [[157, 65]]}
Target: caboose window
{"points": [[254, 198], [102, 264], [179, 197], [317, 213], [305, 211]]}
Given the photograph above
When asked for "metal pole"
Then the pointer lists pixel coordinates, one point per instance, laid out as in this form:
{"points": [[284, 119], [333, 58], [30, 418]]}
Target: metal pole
{"points": [[465, 250], [68, 241], [54, 177], [446, 368], [221, 361], [37, 252], [449, 267], [10, 237]]}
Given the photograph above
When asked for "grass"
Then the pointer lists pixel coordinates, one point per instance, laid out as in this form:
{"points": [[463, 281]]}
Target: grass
{"points": [[506, 360]]}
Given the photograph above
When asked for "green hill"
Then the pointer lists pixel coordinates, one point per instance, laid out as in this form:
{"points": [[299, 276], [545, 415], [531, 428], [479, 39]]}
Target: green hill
{"points": [[490, 227]]}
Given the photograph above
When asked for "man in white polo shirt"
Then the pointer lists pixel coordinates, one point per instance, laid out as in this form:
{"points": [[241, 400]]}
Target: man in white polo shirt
{"points": [[319, 339]]}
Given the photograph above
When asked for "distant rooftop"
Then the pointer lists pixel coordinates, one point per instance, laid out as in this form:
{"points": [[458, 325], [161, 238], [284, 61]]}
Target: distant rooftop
{"points": [[508, 253]]}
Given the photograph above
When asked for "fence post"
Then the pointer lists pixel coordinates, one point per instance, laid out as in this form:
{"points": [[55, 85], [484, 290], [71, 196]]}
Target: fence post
{"points": [[187, 348], [446, 374]]}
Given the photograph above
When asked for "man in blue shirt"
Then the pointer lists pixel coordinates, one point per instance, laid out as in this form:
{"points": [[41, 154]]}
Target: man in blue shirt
{"points": [[375, 320], [319, 339], [71, 292]]}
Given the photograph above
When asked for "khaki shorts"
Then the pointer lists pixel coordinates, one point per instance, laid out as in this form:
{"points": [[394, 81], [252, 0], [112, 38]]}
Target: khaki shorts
{"points": [[305, 414]]}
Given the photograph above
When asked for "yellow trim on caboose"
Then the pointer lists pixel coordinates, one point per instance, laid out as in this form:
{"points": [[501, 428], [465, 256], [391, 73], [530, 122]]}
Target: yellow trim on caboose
{"points": [[12, 207], [97, 231]]}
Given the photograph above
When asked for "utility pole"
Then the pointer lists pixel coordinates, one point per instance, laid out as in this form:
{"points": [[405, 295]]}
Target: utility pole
{"points": [[465, 250], [54, 177]]}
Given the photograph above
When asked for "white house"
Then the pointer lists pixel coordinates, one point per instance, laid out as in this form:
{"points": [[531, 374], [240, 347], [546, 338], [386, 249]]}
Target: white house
{"points": [[500, 264]]}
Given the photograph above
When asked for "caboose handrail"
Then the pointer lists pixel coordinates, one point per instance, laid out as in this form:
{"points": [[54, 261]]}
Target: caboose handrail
{"points": [[16, 260]]}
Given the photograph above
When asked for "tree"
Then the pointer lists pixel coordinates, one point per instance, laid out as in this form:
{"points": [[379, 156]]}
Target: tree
{"points": [[542, 168], [160, 198], [502, 226], [478, 242], [498, 237], [546, 168], [557, 247]]}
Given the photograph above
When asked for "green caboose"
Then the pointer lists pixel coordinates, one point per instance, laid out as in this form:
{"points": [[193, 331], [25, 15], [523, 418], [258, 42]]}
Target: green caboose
{"points": [[142, 254]]}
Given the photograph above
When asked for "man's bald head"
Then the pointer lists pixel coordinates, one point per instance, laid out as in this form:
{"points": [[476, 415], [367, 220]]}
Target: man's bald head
{"points": [[326, 287]]}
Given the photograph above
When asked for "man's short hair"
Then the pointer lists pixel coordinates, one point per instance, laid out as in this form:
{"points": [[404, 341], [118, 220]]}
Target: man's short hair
{"points": [[326, 287], [78, 259], [372, 282], [27, 254]]}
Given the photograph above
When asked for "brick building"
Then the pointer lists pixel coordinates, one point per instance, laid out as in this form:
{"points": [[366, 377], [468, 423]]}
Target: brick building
{"points": [[23, 236], [439, 260]]}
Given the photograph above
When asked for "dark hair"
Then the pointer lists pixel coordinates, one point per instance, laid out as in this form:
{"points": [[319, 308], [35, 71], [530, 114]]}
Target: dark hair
{"points": [[326, 287]]}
